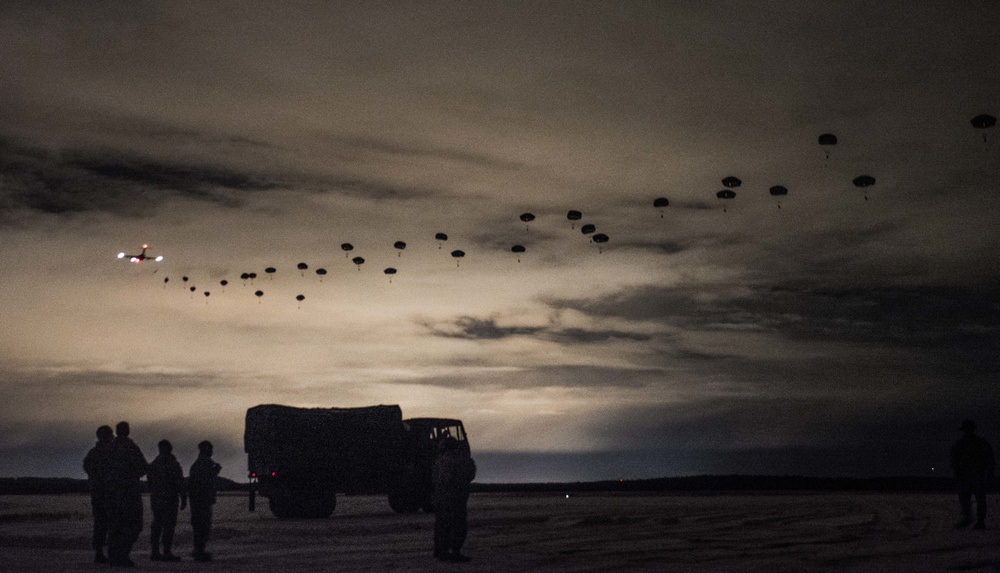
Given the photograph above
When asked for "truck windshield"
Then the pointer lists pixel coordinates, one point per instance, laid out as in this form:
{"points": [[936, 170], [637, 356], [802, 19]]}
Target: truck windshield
{"points": [[454, 430]]}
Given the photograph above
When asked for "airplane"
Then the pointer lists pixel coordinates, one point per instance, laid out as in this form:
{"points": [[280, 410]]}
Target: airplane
{"points": [[141, 256]]}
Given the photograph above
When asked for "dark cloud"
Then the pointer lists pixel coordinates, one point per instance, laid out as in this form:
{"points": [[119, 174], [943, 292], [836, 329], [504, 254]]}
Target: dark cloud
{"points": [[174, 135], [663, 247], [920, 316], [471, 328], [584, 336], [931, 315], [865, 254], [356, 147], [36, 179], [924, 342], [76, 181], [187, 179], [669, 247], [502, 234]]}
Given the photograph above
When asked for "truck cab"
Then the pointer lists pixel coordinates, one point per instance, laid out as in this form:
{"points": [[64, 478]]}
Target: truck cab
{"points": [[422, 438]]}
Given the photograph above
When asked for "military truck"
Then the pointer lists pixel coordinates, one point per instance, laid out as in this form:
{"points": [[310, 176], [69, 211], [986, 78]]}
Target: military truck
{"points": [[301, 458]]}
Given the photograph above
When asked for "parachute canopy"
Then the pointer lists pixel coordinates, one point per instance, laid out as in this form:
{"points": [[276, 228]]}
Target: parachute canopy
{"points": [[600, 238], [574, 215], [300, 297], [527, 217], [441, 237], [661, 202], [302, 266], [984, 121], [778, 190], [399, 245], [358, 260], [458, 254], [827, 139], [587, 229], [321, 272], [517, 249], [347, 247], [270, 270], [726, 194], [389, 271], [864, 181], [223, 282], [981, 121], [732, 181], [259, 293]]}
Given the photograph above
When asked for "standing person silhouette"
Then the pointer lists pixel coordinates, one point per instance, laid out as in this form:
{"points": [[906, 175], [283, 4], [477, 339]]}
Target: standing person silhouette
{"points": [[453, 472], [96, 464], [974, 466], [201, 496], [127, 465], [166, 486]]}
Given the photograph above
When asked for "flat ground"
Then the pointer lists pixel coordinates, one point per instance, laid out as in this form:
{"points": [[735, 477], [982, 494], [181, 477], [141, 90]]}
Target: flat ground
{"points": [[545, 532]]}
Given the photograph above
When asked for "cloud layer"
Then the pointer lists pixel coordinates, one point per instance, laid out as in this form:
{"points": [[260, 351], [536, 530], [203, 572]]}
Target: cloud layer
{"points": [[835, 331]]}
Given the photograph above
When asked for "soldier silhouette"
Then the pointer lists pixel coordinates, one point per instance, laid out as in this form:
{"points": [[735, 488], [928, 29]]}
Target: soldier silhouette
{"points": [[453, 472], [166, 487], [127, 465], [974, 466], [201, 496], [96, 464]]}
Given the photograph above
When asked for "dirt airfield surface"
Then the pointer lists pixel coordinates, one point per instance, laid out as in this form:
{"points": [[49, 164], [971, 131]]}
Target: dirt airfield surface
{"points": [[543, 532]]}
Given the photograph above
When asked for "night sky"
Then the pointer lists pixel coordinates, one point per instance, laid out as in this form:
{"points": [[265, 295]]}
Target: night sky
{"points": [[832, 331]]}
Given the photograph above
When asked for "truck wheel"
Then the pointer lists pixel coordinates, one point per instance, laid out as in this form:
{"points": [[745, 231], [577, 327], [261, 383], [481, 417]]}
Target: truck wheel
{"points": [[326, 504], [403, 502], [281, 505]]}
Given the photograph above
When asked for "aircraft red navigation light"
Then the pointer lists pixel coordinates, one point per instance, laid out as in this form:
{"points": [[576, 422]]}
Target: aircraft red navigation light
{"points": [[142, 256]]}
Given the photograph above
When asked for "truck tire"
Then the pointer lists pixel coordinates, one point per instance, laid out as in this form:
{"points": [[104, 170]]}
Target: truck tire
{"points": [[325, 503], [291, 504], [280, 505]]}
